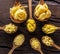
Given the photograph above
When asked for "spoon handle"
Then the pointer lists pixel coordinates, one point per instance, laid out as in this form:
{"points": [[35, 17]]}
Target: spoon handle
{"points": [[41, 52], [25, 6], [17, 2], [56, 46], [42, 2], [11, 51], [58, 28], [1, 28], [30, 8]]}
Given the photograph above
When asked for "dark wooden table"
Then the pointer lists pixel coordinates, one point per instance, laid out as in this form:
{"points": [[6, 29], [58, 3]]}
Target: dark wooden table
{"points": [[6, 39]]}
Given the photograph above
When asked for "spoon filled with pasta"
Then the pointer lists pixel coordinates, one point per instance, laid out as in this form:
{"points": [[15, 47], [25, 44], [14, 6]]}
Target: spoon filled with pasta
{"points": [[48, 41], [18, 41], [36, 45], [18, 13], [49, 28], [42, 12], [9, 28], [31, 24]]}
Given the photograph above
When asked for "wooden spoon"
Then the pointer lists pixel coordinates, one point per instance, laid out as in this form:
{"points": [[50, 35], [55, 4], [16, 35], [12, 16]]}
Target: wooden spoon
{"points": [[41, 2], [49, 28], [48, 41], [42, 12], [35, 44], [17, 3], [2, 28], [58, 28], [31, 24], [8, 28], [18, 41]]}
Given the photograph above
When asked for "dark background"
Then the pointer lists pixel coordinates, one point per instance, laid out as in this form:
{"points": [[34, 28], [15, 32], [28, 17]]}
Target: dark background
{"points": [[6, 39]]}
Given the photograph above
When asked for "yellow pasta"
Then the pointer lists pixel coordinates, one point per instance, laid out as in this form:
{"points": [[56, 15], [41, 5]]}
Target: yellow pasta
{"points": [[42, 12], [35, 44], [31, 25], [18, 13], [19, 39], [10, 28], [49, 28], [47, 41]]}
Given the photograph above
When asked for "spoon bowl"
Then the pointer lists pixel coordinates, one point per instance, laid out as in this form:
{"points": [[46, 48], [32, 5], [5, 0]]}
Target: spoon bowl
{"points": [[9, 28], [31, 24], [18, 13], [49, 28], [42, 12], [48, 41], [35, 44], [18, 41]]}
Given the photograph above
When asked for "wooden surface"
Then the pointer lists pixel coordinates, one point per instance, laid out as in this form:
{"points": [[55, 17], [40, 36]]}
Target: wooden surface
{"points": [[6, 39]]}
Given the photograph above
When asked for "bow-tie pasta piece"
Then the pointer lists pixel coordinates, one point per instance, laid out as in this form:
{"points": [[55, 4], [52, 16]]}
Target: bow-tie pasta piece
{"points": [[10, 28]]}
